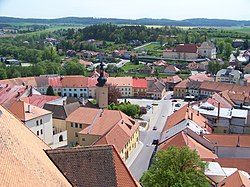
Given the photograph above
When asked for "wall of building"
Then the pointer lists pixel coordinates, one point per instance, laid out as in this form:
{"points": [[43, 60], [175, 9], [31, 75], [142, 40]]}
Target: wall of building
{"points": [[126, 91], [130, 145], [59, 125], [102, 96], [87, 139], [59, 139], [75, 92], [92, 92], [42, 127], [72, 132]]}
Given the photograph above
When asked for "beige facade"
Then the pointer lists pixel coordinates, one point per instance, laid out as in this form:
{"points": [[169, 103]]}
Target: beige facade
{"points": [[139, 92], [102, 96], [180, 92], [126, 91], [92, 92], [178, 55], [59, 125], [130, 145], [72, 132], [87, 139]]}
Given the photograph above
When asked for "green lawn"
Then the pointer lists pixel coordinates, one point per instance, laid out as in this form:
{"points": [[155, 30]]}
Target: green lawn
{"points": [[151, 47], [130, 66], [239, 29]]}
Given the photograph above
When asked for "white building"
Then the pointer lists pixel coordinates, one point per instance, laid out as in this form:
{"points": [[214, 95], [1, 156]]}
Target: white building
{"points": [[207, 49], [75, 86], [229, 75], [39, 121]]}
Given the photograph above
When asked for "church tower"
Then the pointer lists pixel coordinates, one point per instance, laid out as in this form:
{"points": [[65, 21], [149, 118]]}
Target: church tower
{"points": [[102, 89]]}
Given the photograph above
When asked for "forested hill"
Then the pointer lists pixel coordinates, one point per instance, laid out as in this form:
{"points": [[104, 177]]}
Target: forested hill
{"points": [[144, 21]]}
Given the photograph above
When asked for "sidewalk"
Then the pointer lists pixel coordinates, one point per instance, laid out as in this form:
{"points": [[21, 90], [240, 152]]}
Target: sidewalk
{"points": [[134, 154]]}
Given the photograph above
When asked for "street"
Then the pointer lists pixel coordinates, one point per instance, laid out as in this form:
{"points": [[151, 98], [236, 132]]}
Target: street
{"points": [[157, 116]]}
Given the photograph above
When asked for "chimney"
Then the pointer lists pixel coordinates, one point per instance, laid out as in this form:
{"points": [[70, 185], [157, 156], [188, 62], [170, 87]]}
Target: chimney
{"points": [[218, 116], [31, 90], [201, 133], [191, 115], [198, 113], [29, 109], [64, 102]]}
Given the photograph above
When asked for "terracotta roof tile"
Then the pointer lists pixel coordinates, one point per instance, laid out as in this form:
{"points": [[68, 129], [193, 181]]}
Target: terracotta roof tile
{"points": [[185, 113], [23, 160], [77, 81], [182, 139], [182, 84], [240, 163], [229, 140], [139, 83], [120, 81], [20, 110], [237, 179], [55, 82], [93, 166], [38, 100], [187, 48]]}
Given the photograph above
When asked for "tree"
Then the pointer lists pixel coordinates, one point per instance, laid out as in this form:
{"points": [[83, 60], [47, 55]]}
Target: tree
{"points": [[176, 166], [113, 94], [50, 91], [74, 68], [228, 50], [3, 74]]}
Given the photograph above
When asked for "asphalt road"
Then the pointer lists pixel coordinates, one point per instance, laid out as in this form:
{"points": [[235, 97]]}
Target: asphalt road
{"points": [[158, 116]]}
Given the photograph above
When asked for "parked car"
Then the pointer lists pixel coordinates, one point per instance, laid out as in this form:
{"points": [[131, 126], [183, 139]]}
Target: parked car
{"points": [[154, 128], [177, 105], [174, 100]]}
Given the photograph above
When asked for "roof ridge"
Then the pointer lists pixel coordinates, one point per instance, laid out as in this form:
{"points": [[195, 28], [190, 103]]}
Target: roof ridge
{"points": [[95, 119]]}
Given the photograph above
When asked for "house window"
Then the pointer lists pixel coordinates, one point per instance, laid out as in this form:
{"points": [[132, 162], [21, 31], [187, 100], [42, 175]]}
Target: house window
{"points": [[76, 125], [41, 131], [64, 89], [74, 89], [225, 131], [37, 123], [69, 89], [37, 133], [76, 134], [72, 124], [41, 121], [80, 89], [81, 126], [83, 139], [85, 89]]}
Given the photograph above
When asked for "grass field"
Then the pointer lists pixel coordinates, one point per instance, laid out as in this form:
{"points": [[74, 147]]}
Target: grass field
{"points": [[130, 66], [239, 29]]}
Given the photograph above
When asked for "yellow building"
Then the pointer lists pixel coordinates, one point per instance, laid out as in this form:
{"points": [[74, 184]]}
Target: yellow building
{"points": [[89, 126], [180, 89]]}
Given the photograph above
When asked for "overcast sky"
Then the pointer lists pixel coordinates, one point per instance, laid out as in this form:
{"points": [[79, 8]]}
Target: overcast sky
{"points": [[133, 9]]}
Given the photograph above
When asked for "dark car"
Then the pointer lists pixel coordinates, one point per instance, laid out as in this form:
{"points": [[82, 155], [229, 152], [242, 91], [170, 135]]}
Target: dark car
{"points": [[177, 105], [174, 100], [154, 128]]}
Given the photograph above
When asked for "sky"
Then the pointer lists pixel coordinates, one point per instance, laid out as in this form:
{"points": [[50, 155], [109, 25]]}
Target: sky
{"points": [[130, 9]]}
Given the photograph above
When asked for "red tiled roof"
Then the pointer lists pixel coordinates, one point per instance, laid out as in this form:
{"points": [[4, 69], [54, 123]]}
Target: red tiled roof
{"points": [[55, 82], [172, 68], [139, 83], [237, 179], [240, 163], [93, 166], [201, 77], [187, 48], [92, 82], [20, 110], [39, 100], [8, 95], [77, 81], [185, 113], [23, 160], [172, 79], [182, 84], [182, 139], [86, 63], [229, 140]]}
